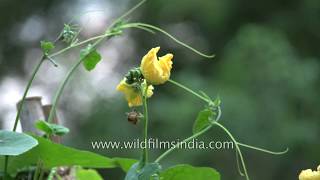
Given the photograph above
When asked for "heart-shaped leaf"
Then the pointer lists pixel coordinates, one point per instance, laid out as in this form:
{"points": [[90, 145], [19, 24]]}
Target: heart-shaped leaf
{"points": [[203, 120], [90, 57], [13, 143]]}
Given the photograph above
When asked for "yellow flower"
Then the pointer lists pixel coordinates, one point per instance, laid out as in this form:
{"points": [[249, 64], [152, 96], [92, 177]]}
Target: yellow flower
{"points": [[156, 71], [310, 175], [132, 94]]}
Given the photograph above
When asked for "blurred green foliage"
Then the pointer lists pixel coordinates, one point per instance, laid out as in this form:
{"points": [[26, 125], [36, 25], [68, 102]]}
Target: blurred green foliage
{"points": [[266, 73]]}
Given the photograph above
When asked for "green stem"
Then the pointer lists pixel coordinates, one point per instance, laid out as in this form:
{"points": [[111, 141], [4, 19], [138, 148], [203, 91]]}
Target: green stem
{"points": [[237, 147], [53, 171], [20, 105], [41, 174], [60, 90], [151, 27], [238, 164], [140, 27], [35, 71], [38, 170], [6, 159], [81, 43], [145, 131], [166, 153], [263, 150], [127, 13], [189, 90]]}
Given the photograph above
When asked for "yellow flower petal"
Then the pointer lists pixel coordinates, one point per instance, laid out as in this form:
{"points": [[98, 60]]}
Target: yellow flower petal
{"points": [[308, 174], [156, 71], [150, 91], [132, 94]]}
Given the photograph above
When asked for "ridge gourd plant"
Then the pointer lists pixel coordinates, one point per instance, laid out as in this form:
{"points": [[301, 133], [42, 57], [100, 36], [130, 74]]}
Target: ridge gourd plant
{"points": [[41, 158]]}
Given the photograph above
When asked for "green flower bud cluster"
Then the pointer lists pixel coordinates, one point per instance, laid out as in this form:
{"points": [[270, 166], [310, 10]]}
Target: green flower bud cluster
{"points": [[68, 33], [134, 76]]}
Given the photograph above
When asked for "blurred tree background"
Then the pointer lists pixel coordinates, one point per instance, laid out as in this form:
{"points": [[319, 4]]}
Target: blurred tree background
{"points": [[266, 71]]}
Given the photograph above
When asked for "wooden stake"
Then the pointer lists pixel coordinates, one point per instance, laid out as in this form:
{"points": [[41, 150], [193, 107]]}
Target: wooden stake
{"points": [[31, 112]]}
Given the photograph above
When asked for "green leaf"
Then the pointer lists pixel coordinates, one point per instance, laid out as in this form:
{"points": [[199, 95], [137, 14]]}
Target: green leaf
{"points": [[51, 129], [87, 174], [13, 143], [53, 155], [43, 126], [148, 171], [46, 46], [187, 172], [90, 57], [203, 120]]}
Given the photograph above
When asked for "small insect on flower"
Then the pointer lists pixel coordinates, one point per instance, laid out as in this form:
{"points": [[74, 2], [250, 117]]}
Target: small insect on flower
{"points": [[134, 116]]}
